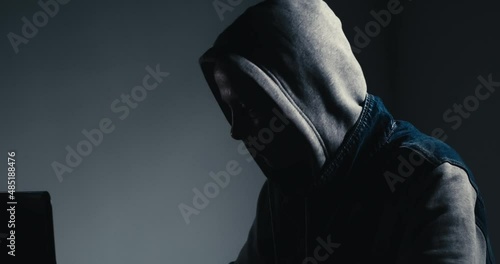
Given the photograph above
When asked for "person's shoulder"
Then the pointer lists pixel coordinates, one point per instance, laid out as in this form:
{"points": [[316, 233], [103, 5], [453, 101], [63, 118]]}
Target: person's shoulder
{"points": [[432, 169], [420, 161], [433, 150], [451, 182]]}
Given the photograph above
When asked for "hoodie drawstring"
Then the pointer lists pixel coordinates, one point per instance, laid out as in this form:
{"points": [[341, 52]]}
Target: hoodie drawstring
{"points": [[272, 222], [272, 226], [305, 235]]}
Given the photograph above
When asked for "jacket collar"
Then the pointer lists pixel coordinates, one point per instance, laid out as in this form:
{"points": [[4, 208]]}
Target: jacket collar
{"points": [[371, 130], [369, 133]]}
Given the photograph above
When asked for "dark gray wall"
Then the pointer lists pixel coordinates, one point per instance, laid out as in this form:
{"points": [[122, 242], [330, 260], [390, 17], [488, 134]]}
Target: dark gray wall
{"points": [[120, 204]]}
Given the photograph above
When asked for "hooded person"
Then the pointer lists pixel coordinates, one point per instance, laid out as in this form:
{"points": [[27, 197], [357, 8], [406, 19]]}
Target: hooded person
{"points": [[346, 182]]}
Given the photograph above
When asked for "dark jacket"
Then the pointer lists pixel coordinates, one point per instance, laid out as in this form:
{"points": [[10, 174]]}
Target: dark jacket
{"points": [[380, 190]]}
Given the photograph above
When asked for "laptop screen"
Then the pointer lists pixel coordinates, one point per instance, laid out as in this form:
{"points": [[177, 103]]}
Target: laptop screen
{"points": [[26, 228]]}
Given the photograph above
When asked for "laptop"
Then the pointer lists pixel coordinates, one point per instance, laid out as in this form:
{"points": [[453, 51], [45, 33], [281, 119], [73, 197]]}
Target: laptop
{"points": [[26, 228]]}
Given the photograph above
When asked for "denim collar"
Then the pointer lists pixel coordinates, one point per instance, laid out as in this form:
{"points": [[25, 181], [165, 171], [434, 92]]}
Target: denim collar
{"points": [[372, 129]]}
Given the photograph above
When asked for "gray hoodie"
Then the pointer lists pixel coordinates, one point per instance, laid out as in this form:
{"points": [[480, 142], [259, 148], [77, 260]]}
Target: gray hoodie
{"points": [[298, 54]]}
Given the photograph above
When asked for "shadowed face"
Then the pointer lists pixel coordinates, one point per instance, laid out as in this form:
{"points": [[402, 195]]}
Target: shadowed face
{"points": [[258, 121]]}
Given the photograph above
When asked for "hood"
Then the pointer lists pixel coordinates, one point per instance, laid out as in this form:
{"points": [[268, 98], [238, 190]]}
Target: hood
{"points": [[298, 54]]}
